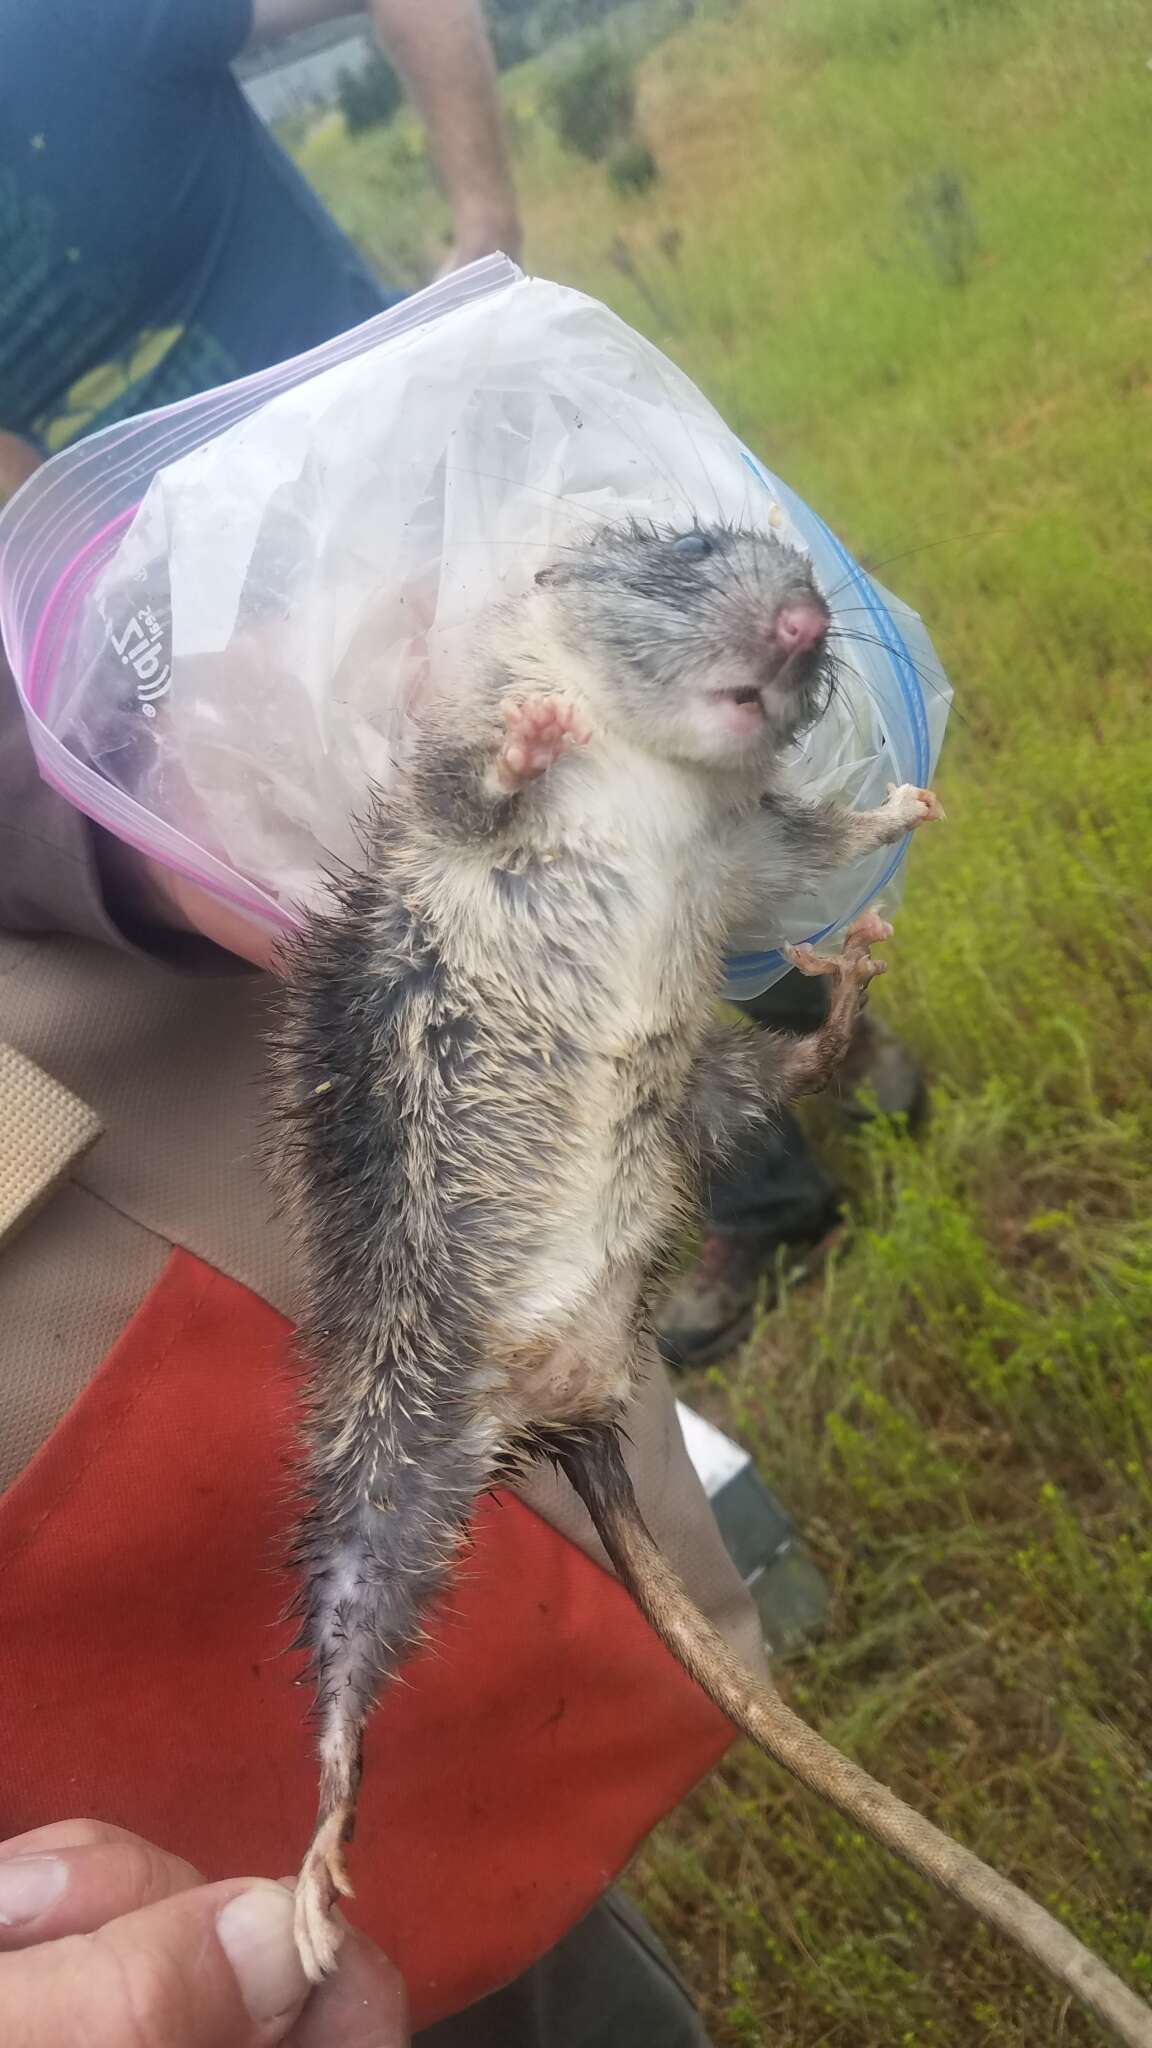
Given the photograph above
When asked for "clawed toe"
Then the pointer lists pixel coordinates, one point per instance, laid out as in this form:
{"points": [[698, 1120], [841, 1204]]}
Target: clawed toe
{"points": [[854, 962], [537, 730], [913, 806], [870, 929], [806, 960]]}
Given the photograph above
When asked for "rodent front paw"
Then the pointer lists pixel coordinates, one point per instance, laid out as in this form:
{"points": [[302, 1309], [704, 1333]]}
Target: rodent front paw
{"points": [[537, 730], [913, 806]]}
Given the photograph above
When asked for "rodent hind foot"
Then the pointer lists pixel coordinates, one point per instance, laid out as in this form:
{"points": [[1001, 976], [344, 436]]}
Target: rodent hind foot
{"points": [[854, 963], [323, 1879]]}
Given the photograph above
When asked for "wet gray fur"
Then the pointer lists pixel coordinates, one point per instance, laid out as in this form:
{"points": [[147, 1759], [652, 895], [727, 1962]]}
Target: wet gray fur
{"points": [[501, 1062]]}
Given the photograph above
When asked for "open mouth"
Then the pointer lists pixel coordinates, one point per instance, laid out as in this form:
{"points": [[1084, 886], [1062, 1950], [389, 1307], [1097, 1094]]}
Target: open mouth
{"points": [[748, 698], [739, 712]]}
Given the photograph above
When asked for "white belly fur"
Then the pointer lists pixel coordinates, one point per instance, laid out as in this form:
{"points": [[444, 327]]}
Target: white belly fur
{"points": [[574, 1301]]}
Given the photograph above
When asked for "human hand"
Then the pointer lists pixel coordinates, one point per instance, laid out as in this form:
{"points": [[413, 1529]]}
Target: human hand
{"points": [[143, 894], [151, 892], [444, 56], [186, 907], [483, 230], [108, 1941], [18, 461]]}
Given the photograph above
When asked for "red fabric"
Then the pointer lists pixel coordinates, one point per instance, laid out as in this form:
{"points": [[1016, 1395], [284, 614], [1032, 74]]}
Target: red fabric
{"points": [[143, 1675]]}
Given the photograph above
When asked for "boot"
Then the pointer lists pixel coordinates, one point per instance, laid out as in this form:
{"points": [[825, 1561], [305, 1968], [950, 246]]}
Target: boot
{"points": [[710, 1312]]}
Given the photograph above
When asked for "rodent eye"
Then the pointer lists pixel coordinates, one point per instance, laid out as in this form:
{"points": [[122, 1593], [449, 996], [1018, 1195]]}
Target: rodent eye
{"points": [[692, 547]]}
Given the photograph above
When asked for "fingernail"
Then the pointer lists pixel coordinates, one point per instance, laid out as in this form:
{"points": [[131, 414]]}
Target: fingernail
{"points": [[28, 1886], [255, 1932]]}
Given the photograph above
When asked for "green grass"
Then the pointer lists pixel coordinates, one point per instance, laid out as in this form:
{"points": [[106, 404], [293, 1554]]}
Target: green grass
{"points": [[906, 245]]}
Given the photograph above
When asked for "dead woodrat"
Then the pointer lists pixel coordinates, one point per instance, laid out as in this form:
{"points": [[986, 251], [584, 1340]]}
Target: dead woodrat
{"points": [[500, 1069]]}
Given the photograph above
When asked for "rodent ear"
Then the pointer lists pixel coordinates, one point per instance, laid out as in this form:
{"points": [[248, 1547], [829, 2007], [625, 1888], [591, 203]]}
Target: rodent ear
{"points": [[554, 573]]}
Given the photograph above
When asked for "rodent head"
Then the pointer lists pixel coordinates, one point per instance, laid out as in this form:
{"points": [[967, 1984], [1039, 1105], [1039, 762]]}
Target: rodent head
{"points": [[711, 642]]}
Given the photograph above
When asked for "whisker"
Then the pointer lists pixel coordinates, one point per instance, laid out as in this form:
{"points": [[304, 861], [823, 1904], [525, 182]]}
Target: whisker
{"points": [[537, 490], [678, 489], [948, 540], [709, 479], [561, 547], [836, 690], [928, 682]]}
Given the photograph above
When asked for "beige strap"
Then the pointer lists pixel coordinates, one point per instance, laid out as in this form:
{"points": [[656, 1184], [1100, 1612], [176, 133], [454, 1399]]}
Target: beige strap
{"points": [[44, 1130]]}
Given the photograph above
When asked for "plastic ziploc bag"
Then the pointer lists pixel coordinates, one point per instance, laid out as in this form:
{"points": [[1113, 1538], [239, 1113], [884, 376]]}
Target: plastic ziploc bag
{"points": [[222, 616]]}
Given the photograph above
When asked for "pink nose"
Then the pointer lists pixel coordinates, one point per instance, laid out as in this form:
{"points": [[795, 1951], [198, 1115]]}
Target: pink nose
{"points": [[797, 628]]}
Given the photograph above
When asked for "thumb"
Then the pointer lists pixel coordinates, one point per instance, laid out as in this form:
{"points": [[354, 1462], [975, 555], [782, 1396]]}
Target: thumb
{"points": [[215, 1967]]}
